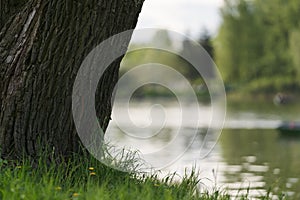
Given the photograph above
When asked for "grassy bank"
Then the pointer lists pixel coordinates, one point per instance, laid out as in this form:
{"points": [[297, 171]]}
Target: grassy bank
{"points": [[86, 178]]}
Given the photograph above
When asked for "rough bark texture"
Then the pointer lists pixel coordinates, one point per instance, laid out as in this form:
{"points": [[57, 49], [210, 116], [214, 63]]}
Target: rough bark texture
{"points": [[9, 8], [42, 46]]}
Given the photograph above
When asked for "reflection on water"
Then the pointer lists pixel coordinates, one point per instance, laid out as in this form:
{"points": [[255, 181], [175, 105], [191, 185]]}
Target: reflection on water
{"points": [[250, 157], [264, 159]]}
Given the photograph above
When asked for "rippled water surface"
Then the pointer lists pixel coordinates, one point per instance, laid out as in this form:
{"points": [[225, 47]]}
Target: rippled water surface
{"points": [[249, 157]]}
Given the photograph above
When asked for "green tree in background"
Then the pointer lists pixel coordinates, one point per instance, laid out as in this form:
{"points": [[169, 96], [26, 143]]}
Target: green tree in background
{"points": [[295, 50], [174, 61], [238, 46], [148, 56], [276, 23], [256, 43]]}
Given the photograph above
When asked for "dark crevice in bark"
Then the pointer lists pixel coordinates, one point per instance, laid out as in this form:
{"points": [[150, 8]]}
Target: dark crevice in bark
{"points": [[8, 8]]}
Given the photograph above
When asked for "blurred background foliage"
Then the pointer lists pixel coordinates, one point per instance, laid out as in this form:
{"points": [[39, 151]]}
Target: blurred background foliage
{"points": [[256, 49], [145, 56], [258, 44]]}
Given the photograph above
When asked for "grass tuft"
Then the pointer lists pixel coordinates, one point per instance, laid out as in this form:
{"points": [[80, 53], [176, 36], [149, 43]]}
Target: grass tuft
{"points": [[84, 177]]}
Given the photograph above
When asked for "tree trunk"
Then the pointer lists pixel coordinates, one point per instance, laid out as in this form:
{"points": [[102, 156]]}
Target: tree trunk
{"points": [[42, 46]]}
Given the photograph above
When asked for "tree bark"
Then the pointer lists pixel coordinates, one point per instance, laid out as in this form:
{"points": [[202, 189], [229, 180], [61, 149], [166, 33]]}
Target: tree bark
{"points": [[42, 45]]}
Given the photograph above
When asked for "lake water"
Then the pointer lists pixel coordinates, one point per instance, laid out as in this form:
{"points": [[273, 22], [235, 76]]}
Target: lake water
{"points": [[249, 156]]}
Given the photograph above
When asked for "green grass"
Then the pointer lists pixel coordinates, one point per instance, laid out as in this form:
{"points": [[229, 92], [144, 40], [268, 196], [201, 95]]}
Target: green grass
{"points": [[86, 178]]}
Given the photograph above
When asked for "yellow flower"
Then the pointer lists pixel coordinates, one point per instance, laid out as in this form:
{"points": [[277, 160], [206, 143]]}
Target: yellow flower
{"points": [[91, 168], [92, 174], [57, 188], [75, 194]]}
